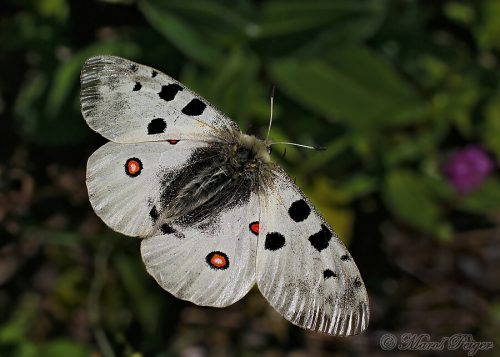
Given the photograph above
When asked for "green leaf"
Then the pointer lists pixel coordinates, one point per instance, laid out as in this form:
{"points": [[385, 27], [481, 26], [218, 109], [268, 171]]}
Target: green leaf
{"points": [[235, 85], [209, 15], [354, 87], [25, 108], [58, 9], [457, 103], [27, 349], [490, 130], [132, 276], [343, 33], [61, 347], [459, 12], [56, 237], [43, 107], [288, 17], [416, 145], [483, 200], [24, 312], [68, 290], [407, 197], [333, 150], [488, 29], [356, 186], [180, 34], [308, 29]]}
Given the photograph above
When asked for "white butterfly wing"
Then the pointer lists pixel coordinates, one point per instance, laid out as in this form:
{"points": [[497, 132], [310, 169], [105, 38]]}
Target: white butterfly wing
{"points": [[208, 264], [128, 102], [303, 269], [124, 181]]}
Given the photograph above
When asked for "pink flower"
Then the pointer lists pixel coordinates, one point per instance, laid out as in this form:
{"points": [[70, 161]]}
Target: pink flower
{"points": [[467, 168]]}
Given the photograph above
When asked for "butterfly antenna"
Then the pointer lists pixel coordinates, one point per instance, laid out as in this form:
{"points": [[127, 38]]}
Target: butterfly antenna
{"points": [[302, 146], [271, 116], [273, 89]]}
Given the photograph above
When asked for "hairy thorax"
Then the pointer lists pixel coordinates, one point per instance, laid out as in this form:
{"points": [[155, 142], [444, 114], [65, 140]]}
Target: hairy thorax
{"points": [[218, 177]]}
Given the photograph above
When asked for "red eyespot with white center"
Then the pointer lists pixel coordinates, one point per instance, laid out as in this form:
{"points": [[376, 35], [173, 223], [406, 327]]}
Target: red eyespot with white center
{"points": [[218, 260], [133, 167]]}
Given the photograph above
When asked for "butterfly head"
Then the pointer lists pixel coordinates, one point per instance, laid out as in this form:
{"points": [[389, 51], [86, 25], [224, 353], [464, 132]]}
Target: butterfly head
{"points": [[251, 151]]}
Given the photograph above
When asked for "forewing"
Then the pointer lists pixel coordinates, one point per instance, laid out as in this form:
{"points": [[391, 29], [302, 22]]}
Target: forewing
{"points": [[127, 102], [124, 181], [211, 263], [303, 269]]}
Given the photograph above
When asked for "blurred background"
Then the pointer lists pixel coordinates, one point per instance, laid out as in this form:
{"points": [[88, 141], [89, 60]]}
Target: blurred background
{"points": [[404, 94]]}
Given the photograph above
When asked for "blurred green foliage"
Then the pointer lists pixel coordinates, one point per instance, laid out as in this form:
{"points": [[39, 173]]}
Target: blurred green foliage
{"points": [[391, 88]]}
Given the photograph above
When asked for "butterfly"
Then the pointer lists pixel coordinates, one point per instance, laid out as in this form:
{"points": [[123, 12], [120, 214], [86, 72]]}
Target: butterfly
{"points": [[214, 214]]}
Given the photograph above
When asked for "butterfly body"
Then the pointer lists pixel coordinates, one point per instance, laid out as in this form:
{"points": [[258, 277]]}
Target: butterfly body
{"points": [[216, 177], [215, 215]]}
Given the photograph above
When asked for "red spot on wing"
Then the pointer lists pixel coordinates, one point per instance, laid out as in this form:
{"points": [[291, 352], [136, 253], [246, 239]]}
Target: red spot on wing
{"points": [[218, 260], [172, 141], [254, 228], [133, 167]]}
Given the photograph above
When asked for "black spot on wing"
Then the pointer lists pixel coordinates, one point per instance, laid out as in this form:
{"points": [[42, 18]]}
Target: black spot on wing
{"points": [[194, 108], [345, 257], [137, 86], [320, 239], [154, 74], [154, 214], [167, 229], [328, 273], [134, 67], [299, 210], [357, 282], [274, 241], [169, 91], [157, 126]]}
